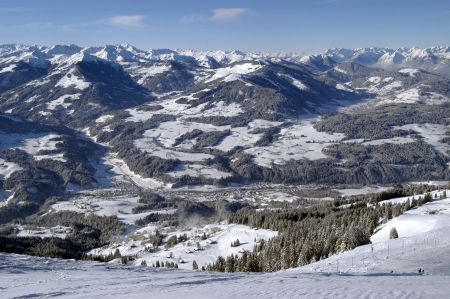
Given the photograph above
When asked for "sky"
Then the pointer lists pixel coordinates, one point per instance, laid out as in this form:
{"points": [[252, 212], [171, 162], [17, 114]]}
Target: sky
{"points": [[308, 26]]}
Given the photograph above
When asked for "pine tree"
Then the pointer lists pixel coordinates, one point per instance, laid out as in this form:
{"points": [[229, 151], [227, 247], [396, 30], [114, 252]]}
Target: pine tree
{"points": [[194, 265], [117, 253], [393, 233]]}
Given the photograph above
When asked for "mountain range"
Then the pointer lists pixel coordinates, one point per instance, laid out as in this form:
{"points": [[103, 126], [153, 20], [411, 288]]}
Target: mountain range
{"points": [[174, 118]]}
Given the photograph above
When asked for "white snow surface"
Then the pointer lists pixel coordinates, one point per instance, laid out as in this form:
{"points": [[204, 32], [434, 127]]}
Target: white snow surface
{"points": [[197, 170], [183, 111], [393, 140], [7, 168], [431, 216], [362, 190], [72, 80], [234, 72], [104, 118], [61, 101], [8, 68], [299, 141], [143, 73], [57, 231], [27, 277], [148, 145], [343, 87], [167, 132], [115, 169], [431, 133], [409, 71], [33, 144]]}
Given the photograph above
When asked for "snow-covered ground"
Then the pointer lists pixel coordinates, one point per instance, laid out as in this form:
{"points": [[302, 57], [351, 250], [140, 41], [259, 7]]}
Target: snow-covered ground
{"points": [[33, 144], [167, 132], [232, 73], [218, 243], [148, 145], [31, 277], [62, 101], [431, 133], [424, 242], [57, 231], [384, 269], [300, 141], [184, 110], [72, 80], [362, 190], [7, 168], [102, 205], [431, 216], [120, 171], [196, 170]]}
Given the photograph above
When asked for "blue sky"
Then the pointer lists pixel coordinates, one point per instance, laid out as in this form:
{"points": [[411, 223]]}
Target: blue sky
{"points": [[261, 25]]}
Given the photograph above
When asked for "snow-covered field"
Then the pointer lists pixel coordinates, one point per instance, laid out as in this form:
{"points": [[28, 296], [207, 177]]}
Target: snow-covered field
{"points": [[33, 144], [57, 231], [300, 141], [183, 110], [431, 133], [120, 171], [62, 101], [196, 170], [234, 72], [72, 80], [362, 190], [7, 168]]}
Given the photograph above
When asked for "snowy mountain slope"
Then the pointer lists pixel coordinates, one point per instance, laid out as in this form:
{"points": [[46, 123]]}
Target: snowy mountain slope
{"points": [[423, 242], [385, 268], [406, 85], [29, 276], [39, 161]]}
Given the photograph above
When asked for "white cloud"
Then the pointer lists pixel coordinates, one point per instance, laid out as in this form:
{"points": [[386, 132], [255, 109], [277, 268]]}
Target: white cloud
{"points": [[127, 21], [227, 14], [217, 15]]}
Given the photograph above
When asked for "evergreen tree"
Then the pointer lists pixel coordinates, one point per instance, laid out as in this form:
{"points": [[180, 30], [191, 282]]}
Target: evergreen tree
{"points": [[117, 254], [393, 234]]}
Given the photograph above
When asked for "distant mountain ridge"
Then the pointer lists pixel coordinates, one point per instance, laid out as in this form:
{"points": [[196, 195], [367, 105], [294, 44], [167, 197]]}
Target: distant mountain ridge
{"points": [[433, 59]]}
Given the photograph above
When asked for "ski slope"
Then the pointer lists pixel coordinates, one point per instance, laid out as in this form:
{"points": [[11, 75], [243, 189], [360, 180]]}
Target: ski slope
{"points": [[31, 277], [383, 269]]}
